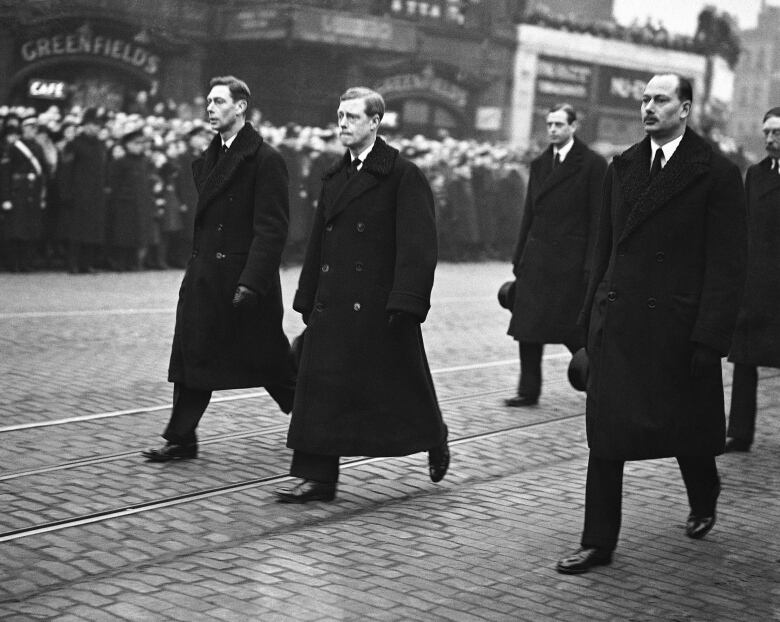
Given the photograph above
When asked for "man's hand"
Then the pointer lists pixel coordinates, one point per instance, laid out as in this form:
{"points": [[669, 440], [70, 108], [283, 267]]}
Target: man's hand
{"points": [[244, 297], [703, 360], [396, 319]]}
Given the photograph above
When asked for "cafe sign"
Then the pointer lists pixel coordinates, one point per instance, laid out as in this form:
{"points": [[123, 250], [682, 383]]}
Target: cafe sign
{"points": [[83, 42]]}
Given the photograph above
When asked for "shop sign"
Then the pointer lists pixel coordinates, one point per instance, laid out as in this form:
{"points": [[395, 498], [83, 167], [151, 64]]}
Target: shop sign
{"points": [[622, 88], [84, 42], [256, 24], [423, 84], [353, 30], [488, 118], [47, 89], [562, 78]]}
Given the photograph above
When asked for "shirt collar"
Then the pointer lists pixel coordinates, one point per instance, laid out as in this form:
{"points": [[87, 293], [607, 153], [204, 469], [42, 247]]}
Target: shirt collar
{"points": [[364, 154], [563, 151], [229, 141], [668, 149]]}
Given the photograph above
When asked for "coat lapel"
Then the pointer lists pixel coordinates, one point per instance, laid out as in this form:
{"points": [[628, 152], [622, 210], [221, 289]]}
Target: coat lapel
{"points": [[570, 166], [764, 179], [642, 197], [378, 165], [214, 173]]}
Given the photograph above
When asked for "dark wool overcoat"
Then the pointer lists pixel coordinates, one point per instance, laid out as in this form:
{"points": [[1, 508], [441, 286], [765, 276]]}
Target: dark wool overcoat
{"points": [[757, 336], [22, 184], [668, 273], [132, 201], [84, 182], [555, 245], [364, 387], [240, 230]]}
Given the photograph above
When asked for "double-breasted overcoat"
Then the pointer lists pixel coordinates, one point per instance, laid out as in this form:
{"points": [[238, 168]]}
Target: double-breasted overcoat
{"points": [[239, 232], [668, 273], [364, 386], [757, 336], [555, 245]]}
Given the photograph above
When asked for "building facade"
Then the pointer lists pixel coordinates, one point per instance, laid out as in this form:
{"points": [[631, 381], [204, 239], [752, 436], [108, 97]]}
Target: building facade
{"points": [[602, 78], [756, 82], [442, 65]]}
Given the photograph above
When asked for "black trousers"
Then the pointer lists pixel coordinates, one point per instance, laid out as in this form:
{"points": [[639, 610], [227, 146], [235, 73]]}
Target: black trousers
{"points": [[190, 404], [530, 384], [742, 414], [604, 493], [315, 467]]}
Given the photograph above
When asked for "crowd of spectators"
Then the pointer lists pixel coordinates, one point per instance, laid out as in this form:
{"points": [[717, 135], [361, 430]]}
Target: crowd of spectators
{"points": [[88, 190], [649, 33]]}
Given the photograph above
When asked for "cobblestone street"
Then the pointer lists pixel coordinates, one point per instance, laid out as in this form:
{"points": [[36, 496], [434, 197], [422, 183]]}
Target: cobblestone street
{"points": [[89, 531]]}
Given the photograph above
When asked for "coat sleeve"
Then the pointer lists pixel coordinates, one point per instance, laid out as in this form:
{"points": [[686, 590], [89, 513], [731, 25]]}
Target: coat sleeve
{"points": [[303, 302], [602, 249], [725, 260], [270, 219], [596, 172], [526, 222], [416, 247]]}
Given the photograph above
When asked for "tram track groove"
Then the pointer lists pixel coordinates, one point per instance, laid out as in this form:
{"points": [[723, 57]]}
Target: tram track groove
{"points": [[198, 495]]}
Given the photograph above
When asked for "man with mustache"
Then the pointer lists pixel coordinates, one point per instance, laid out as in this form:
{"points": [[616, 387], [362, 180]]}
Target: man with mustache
{"points": [[228, 331], [757, 338], [665, 285]]}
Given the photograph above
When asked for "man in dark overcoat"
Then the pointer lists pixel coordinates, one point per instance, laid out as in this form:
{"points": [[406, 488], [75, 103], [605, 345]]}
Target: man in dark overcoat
{"points": [[22, 196], [132, 203], [364, 385], [84, 184], [757, 336], [667, 275], [554, 249], [228, 331]]}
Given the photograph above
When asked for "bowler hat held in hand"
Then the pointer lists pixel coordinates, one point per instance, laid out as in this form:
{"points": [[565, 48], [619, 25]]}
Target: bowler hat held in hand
{"points": [[578, 370], [506, 295]]}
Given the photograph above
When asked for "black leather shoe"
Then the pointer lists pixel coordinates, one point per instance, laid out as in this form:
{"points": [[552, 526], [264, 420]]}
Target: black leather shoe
{"points": [[307, 490], [521, 400], [699, 526], [438, 462], [171, 451], [583, 560], [737, 444]]}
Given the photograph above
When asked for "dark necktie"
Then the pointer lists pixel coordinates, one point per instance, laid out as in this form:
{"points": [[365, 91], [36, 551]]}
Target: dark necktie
{"points": [[775, 166], [353, 167], [556, 160], [656, 167]]}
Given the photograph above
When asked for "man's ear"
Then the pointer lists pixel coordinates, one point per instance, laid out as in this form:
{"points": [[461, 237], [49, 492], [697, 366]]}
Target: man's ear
{"points": [[242, 106], [686, 109]]}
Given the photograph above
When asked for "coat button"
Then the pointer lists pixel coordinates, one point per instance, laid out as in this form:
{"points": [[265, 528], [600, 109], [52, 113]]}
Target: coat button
{"points": [[219, 227], [361, 227], [358, 266], [356, 306], [329, 227], [325, 267], [220, 255], [195, 252], [651, 303], [659, 256], [611, 296], [319, 306]]}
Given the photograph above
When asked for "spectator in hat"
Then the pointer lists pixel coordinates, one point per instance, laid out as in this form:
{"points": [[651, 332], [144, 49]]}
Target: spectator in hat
{"points": [[84, 189]]}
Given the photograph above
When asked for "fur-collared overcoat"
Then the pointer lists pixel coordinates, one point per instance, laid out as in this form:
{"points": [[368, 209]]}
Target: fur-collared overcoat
{"points": [[364, 387], [240, 230], [555, 245], [757, 337], [668, 273]]}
